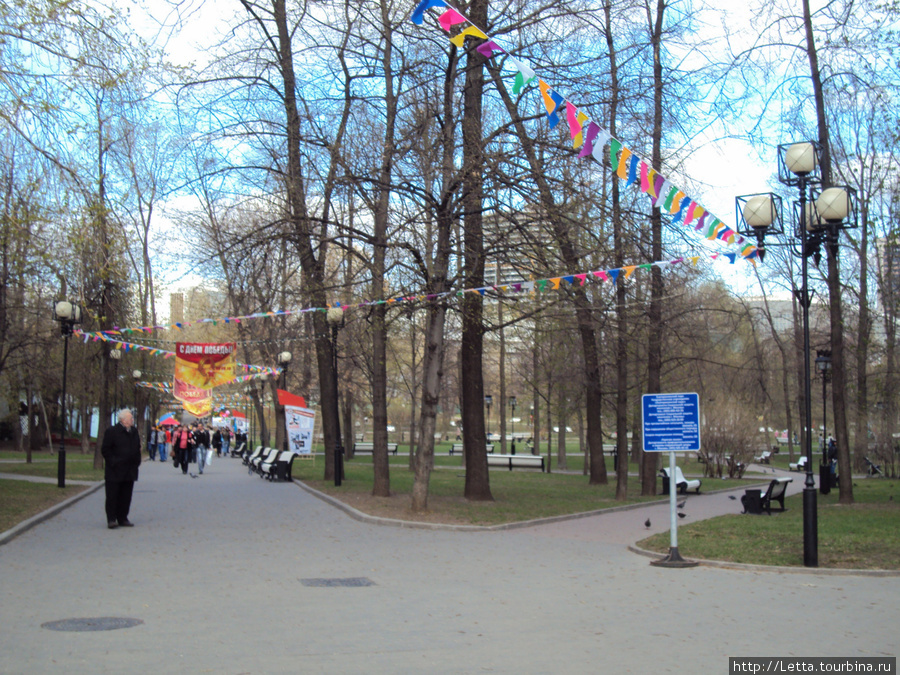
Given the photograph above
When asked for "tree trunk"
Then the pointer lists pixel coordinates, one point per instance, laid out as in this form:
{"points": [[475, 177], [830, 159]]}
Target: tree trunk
{"points": [[654, 314], [562, 419], [472, 348]]}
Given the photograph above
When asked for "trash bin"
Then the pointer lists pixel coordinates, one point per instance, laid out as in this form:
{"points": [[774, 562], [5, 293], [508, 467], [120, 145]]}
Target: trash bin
{"points": [[752, 501], [665, 488], [824, 479]]}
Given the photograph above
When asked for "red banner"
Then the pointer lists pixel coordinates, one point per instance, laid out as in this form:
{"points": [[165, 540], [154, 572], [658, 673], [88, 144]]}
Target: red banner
{"points": [[204, 365]]}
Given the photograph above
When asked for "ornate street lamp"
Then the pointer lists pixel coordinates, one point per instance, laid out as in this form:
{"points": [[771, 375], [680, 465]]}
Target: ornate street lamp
{"points": [[335, 319], [488, 402], [512, 407], [817, 221], [68, 315]]}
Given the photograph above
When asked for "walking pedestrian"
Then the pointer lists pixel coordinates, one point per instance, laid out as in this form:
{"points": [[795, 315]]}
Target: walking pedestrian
{"points": [[226, 441], [151, 443], [217, 442], [167, 438], [121, 452], [201, 444], [182, 445]]}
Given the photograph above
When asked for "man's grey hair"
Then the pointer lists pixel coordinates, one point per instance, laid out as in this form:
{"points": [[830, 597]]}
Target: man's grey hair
{"points": [[122, 413]]}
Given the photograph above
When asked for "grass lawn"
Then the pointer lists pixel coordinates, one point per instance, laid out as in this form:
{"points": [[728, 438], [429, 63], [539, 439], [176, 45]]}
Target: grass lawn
{"points": [[20, 500], [518, 495], [864, 535], [78, 466]]}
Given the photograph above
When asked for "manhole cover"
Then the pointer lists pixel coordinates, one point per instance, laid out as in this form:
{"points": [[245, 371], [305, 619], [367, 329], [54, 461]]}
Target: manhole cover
{"points": [[97, 623], [351, 582]]}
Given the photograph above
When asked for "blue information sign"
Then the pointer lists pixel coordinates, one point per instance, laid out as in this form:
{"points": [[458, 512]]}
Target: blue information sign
{"points": [[671, 422]]}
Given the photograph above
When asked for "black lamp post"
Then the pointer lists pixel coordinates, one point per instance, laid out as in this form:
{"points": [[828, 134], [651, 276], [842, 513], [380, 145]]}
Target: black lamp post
{"points": [[138, 413], [68, 315], [284, 360], [249, 409], [488, 402], [512, 407], [335, 318], [760, 214], [116, 356], [823, 365]]}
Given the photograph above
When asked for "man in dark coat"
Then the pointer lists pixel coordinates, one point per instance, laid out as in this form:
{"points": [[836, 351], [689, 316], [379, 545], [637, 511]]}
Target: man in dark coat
{"points": [[122, 454]]}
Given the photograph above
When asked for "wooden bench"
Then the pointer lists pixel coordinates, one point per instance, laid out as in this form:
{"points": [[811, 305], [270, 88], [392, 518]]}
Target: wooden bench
{"points": [[522, 461], [755, 501], [369, 448], [457, 448]]}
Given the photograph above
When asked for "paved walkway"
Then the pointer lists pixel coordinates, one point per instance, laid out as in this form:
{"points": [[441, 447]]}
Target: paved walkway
{"points": [[218, 569]]}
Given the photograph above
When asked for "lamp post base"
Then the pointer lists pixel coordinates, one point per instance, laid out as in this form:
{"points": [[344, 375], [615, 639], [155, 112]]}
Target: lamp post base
{"points": [[674, 559], [338, 464], [61, 468], [810, 526]]}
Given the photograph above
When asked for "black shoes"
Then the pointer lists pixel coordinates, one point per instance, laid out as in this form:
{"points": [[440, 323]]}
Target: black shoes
{"points": [[112, 524], [126, 523]]}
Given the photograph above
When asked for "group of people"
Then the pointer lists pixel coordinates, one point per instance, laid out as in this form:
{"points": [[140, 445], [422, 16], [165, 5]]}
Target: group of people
{"points": [[161, 441], [121, 451], [194, 444]]}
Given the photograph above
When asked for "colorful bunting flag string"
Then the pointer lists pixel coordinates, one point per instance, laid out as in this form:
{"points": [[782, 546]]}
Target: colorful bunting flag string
{"points": [[626, 164], [535, 286], [153, 351]]}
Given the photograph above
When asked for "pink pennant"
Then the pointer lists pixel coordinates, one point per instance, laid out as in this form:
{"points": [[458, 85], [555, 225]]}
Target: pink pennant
{"points": [[572, 119], [450, 18]]}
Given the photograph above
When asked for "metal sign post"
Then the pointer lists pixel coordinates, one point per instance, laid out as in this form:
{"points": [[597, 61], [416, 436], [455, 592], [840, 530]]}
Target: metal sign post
{"points": [[671, 423]]}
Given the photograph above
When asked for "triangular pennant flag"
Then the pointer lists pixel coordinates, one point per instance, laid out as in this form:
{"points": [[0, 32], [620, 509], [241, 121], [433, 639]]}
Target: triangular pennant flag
{"points": [[629, 270], [450, 18], [460, 39], [582, 278], [731, 256], [552, 101], [486, 49], [600, 274], [570, 279], [614, 274], [622, 169], [645, 176], [588, 148], [524, 75], [614, 147], [541, 284], [555, 283], [633, 170]]}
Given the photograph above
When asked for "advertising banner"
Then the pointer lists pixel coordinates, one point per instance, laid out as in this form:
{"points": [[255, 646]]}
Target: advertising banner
{"points": [[204, 365], [299, 424], [189, 394], [198, 408]]}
